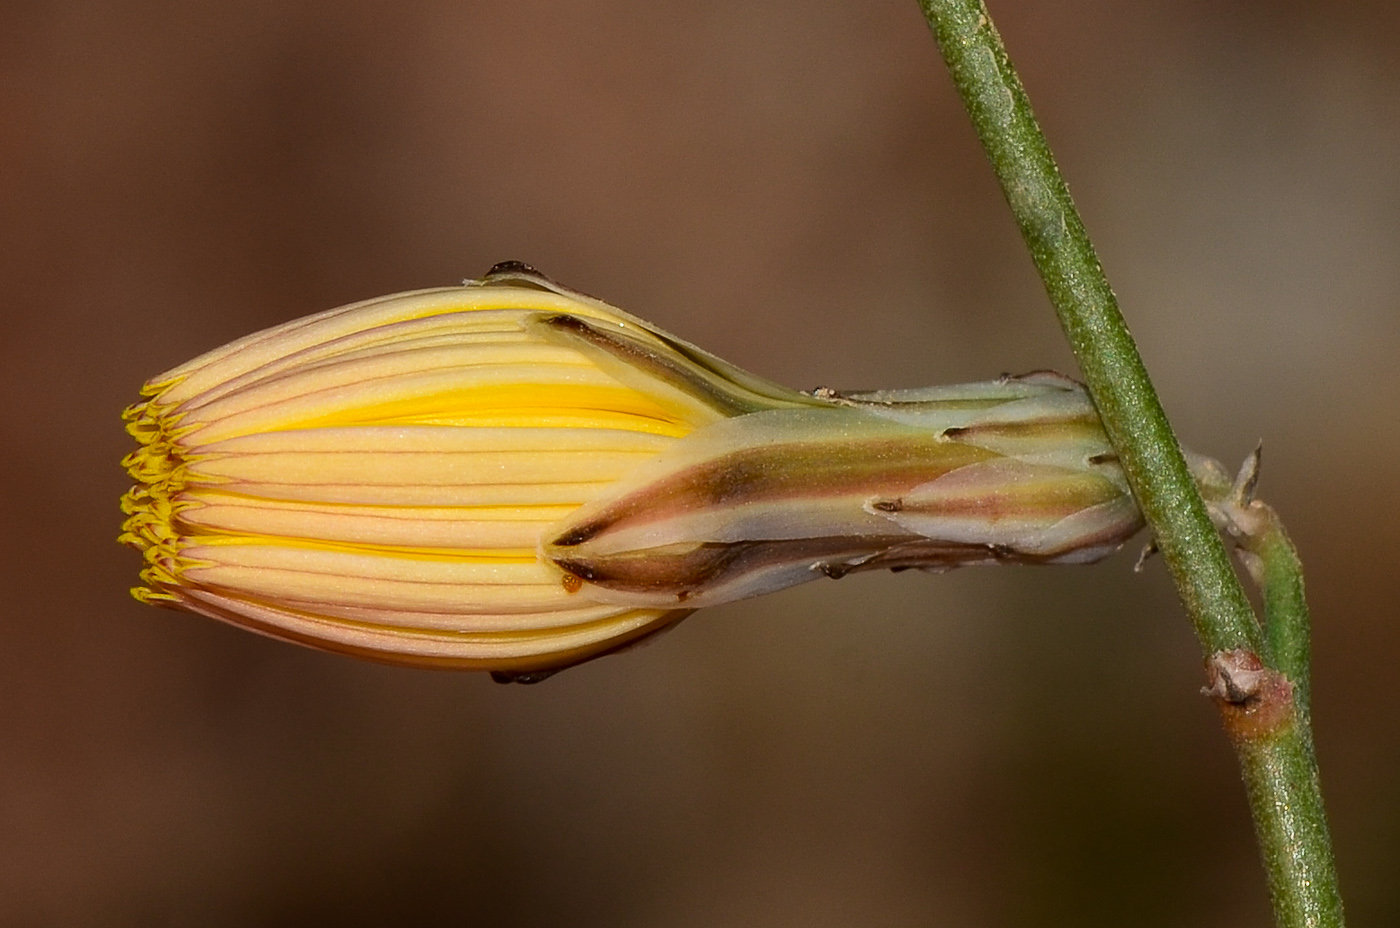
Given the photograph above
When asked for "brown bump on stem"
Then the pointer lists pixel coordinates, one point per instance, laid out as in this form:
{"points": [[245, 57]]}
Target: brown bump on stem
{"points": [[1255, 701], [572, 583]]}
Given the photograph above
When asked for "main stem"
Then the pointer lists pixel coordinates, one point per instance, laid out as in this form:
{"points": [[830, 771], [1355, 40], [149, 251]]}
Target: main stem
{"points": [[1276, 759]]}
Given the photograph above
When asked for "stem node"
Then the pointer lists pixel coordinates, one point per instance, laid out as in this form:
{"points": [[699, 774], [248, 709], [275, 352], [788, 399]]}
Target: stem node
{"points": [[1255, 701]]}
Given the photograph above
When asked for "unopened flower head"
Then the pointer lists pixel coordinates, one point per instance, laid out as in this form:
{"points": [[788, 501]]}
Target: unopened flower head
{"points": [[511, 476]]}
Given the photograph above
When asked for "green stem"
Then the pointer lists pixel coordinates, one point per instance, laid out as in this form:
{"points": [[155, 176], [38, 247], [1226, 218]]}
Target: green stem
{"points": [[1089, 315], [1276, 759], [1286, 621], [1290, 823]]}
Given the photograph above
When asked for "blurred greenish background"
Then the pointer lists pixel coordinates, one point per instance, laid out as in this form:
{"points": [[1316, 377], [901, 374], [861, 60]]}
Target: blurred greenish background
{"points": [[794, 187]]}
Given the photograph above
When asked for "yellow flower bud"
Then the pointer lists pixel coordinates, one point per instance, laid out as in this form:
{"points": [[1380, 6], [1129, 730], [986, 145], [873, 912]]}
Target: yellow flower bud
{"points": [[514, 477]]}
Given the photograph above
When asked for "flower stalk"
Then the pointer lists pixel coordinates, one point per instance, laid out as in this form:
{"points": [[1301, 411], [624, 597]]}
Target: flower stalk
{"points": [[1276, 758]]}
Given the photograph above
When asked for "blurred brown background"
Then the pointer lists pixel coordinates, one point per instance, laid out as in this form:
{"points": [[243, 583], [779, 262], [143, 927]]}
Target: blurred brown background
{"points": [[793, 186]]}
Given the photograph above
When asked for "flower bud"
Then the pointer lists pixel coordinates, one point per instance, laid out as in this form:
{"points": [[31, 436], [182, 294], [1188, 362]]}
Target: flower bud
{"points": [[515, 477]]}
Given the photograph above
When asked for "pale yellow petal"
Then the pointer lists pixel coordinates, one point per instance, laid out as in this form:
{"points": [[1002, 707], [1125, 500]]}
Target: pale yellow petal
{"points": [[270, 345], [500, 650], [304, 574], [422, 469], [405, 526]]}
